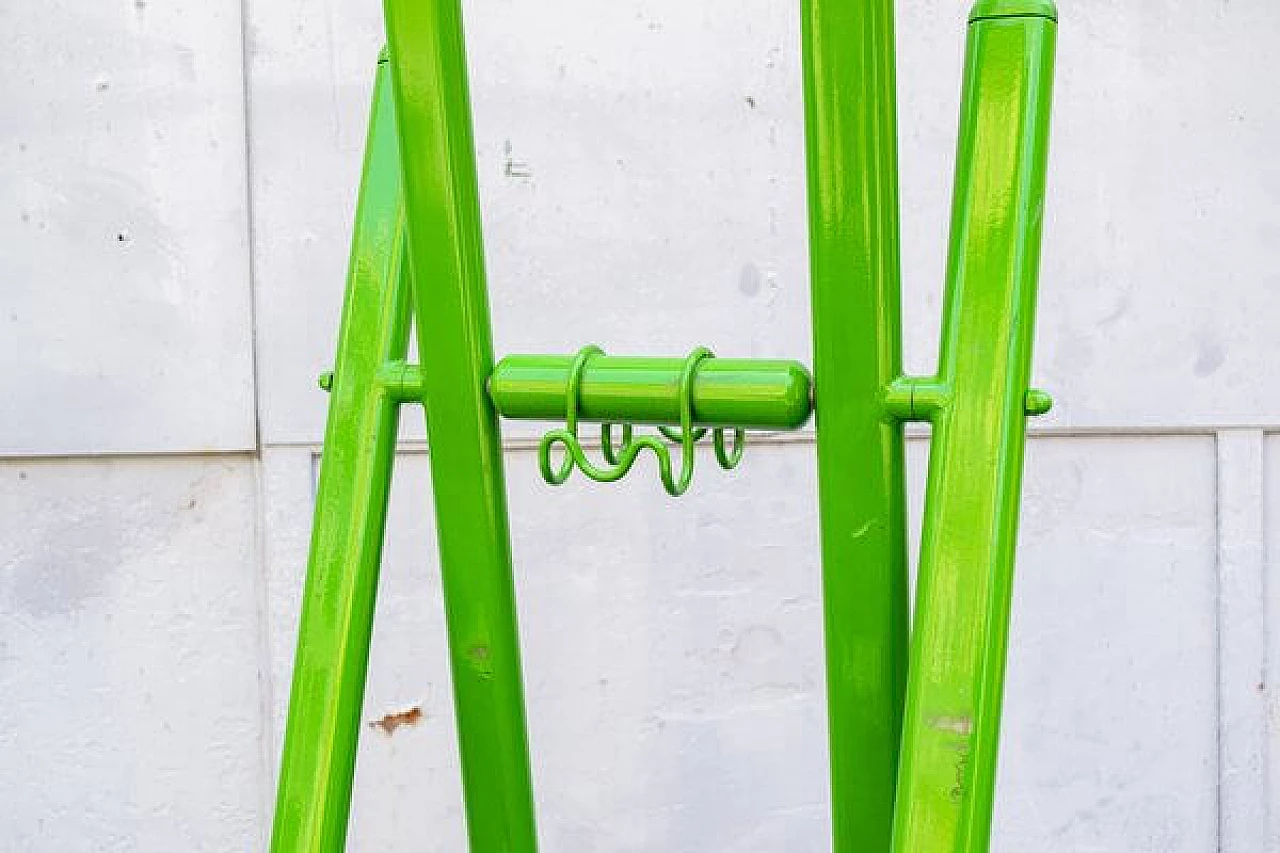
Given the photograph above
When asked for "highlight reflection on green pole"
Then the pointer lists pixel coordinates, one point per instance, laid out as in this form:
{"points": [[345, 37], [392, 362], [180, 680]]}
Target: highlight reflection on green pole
{"points": [[851, 140], [952, 725]]}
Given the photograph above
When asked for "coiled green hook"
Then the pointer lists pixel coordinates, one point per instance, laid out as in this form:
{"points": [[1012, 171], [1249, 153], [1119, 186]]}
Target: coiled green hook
{"points": [[620, 459]]}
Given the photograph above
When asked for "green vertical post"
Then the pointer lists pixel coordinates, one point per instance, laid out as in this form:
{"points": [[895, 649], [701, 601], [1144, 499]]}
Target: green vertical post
{"points": [[314, 792], [452, 319], [952, 724], [851, 141]]}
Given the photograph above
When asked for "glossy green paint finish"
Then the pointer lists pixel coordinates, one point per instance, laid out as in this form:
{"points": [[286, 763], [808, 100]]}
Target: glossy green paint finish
{"points": [[951, 728], [619, 458], [314, 793], [934, 795], [452, 321], [851, 141], [733, 392]]}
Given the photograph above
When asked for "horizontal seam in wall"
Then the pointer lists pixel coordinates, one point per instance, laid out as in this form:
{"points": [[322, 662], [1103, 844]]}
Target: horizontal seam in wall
{"points": [[524, 444], [247, 455], [807, 437]]}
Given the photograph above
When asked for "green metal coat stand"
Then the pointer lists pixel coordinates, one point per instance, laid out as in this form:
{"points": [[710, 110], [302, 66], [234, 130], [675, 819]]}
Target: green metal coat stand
{"points": [[913, 710]]}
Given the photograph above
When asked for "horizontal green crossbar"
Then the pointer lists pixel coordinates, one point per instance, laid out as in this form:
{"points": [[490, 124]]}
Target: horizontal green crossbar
{"points": [[747, 393]]}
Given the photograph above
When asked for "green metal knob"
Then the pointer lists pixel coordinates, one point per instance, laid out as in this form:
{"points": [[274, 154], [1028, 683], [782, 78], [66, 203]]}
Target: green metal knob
{"points": [[1037, 402]]}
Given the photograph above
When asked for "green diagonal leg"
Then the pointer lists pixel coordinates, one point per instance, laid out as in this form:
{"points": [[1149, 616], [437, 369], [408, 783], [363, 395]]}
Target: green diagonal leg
{"points": [[314, 793]]}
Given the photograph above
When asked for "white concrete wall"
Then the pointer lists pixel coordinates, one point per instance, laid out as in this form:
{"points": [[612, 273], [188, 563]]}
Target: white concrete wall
{"points": [[178, 180]]}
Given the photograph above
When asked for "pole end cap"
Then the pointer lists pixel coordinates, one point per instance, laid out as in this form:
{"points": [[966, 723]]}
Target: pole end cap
{"points": [[987, 9], [1037, 402]]}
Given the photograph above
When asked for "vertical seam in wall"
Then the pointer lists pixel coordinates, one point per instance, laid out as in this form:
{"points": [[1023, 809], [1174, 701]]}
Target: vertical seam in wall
{"points": [[1242, 807], [1270, 663], [266, 688], [1217, 637], [250, 224], [266, 683]]}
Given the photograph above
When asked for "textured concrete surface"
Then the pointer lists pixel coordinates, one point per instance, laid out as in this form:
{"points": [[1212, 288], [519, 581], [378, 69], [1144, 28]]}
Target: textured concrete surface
{"points": [[179, 180], [126, 319], [673, 650], [129, 655], [641, 175]]}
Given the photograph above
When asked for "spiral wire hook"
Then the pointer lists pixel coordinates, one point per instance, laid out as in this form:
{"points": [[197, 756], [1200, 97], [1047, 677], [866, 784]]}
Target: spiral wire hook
{"points": [[620, 459]]}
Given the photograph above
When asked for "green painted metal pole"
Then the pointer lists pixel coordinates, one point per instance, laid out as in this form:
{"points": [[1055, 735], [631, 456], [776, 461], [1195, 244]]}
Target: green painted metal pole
{"points": [[314, 793], [738, 392], [452, 318], [851, 141], [952, 724]]}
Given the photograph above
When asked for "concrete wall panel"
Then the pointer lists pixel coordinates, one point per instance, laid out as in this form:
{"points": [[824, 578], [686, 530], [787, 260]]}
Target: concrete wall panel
{"points": [[673, 657], [641, 170], [126, 320], [129, 655]]}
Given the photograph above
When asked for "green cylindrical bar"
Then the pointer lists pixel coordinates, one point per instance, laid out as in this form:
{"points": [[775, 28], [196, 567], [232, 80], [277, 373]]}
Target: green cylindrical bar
{"points": [[851, 141], [314, 794], [737, 392], [452, 313], [952, 724]]}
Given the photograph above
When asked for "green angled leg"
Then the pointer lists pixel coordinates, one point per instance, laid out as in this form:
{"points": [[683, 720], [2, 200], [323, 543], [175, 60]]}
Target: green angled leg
{"points": [[314, 793], [979, 405]]}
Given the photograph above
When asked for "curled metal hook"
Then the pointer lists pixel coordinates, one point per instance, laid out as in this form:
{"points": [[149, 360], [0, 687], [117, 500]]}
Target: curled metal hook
{"points": [[620, 459]]}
